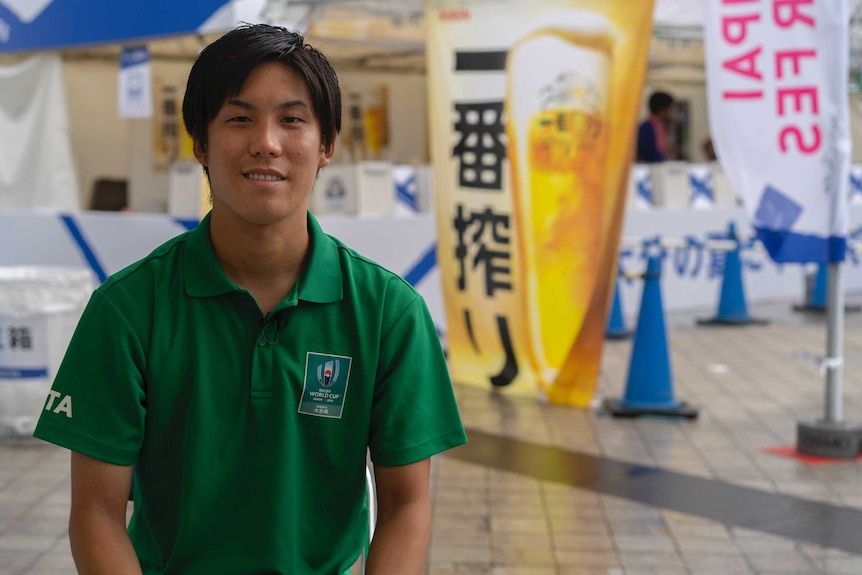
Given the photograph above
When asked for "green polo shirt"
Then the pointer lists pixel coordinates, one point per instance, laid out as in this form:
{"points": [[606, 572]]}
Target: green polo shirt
{"points": [[249, 434]]}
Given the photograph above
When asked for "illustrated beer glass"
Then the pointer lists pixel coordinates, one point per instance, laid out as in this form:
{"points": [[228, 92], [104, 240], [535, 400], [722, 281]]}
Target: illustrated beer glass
{"points": [[557, 100]]}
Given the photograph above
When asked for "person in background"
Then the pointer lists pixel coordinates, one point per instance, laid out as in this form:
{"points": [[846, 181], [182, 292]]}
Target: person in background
{"points": [[652, 133], [243, 370]]}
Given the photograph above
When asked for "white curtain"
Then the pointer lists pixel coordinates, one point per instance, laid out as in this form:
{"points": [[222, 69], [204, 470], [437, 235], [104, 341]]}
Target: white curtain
{"points": [[37, 168]]}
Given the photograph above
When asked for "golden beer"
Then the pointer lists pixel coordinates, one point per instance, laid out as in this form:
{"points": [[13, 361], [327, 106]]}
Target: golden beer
{"points": [[557, 100]]}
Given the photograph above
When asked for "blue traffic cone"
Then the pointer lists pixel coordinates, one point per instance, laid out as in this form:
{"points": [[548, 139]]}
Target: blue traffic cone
{"points": [[616, 328], [816, 298], [732, 309], [649, 387], [818, 294]]}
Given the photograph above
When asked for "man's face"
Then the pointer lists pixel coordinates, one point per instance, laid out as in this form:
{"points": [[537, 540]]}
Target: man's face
{"points": [[668, 115], [264, 149]]}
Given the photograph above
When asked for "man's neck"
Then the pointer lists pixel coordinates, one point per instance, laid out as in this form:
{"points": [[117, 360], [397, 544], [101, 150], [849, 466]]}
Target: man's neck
{"points": [[266, 260]]}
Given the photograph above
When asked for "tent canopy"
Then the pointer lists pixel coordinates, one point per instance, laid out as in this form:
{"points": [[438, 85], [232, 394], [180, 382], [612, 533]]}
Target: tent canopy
{"points": [[29, 25], [368, 34]]}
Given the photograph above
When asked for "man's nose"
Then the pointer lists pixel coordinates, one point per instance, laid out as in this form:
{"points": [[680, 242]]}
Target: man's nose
{"points": [[266, 141]]}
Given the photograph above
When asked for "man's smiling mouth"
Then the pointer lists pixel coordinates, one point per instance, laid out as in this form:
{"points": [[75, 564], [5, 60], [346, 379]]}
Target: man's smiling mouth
{"points": [[264, 177]]}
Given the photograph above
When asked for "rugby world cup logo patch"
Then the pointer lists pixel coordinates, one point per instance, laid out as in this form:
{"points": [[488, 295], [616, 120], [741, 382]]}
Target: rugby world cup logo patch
{"points": [[327, 373], [324, 387]]}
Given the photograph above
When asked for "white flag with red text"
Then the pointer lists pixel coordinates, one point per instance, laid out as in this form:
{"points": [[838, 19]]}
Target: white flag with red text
{"points": [[777, 73]]}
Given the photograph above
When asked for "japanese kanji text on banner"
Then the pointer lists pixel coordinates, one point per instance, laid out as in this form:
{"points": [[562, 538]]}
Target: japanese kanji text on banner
{"points": [[777, 93], [533, 111]]}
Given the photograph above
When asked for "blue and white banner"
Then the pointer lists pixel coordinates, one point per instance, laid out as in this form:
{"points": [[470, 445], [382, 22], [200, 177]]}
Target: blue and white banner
{"points": [[406, 190], [135, 95], [777, 98], [700, 187], [644, 195], [28, 25]]}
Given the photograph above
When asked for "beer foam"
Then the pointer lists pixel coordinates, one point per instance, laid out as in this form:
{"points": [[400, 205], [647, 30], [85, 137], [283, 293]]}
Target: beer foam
{"points": [[590, 26]]}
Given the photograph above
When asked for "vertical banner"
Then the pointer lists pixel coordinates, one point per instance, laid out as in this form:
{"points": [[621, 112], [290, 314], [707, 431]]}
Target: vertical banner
{"points": [[135, 93], [777, 74], [167, 128], [533, 111]]}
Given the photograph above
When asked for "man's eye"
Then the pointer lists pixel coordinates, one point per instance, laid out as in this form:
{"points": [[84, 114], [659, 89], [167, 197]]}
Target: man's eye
{"points": [[239, 119], [290, 119]]}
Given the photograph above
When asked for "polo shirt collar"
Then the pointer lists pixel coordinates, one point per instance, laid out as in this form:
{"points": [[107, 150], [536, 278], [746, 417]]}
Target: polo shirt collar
{"points": [[319, 282], [204, 276]]}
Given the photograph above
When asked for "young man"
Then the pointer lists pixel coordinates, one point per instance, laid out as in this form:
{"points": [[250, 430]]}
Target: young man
{"points": [[652, 133], [242, 369]]}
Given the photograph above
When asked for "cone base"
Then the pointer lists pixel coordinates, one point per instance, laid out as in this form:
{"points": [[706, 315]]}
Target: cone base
{"points": [[732, 321], [621, 334], [806, 307], [619, 408]]}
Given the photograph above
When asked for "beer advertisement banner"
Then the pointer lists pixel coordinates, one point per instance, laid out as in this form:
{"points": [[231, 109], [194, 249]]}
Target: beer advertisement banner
{"points": [[533, 110], [777, 97]]}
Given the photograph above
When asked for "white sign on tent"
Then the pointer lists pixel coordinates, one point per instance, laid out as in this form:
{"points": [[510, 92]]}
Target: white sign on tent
{"points": [[135, 97]]}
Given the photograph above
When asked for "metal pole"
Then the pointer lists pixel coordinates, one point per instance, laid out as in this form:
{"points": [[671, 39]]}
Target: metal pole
{"points": [[834, 363], [830, 436]]}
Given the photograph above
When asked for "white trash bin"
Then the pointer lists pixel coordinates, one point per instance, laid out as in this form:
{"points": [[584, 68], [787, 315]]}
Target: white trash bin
{"points": [[39, 309]]}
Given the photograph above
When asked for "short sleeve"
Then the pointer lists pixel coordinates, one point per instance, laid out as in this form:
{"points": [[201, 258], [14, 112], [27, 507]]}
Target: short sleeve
{"points": [[97, 402], [414, 414]]}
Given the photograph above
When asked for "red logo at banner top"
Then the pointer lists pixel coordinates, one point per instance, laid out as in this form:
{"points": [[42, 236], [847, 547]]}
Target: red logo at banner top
{"points": [[454, 14]]}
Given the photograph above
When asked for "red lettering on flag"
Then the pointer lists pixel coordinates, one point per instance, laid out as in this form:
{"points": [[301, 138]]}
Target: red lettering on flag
{"points": [[796, 94], [785, 13], [745, 64], [734, 28], [797, 135], [751, 95], [795, 56]]}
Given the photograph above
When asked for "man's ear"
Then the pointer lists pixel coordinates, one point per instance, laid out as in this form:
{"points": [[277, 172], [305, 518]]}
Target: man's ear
{"points": [[200, 153], [326, 155]]}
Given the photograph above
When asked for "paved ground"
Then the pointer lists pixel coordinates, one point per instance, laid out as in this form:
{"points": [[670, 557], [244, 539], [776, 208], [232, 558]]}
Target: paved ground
{"points": [[665, 496]]}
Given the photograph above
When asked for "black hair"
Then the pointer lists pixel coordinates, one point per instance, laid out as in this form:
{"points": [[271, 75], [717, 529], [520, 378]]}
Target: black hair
{"points": [[222, 67], [659, 101]]}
